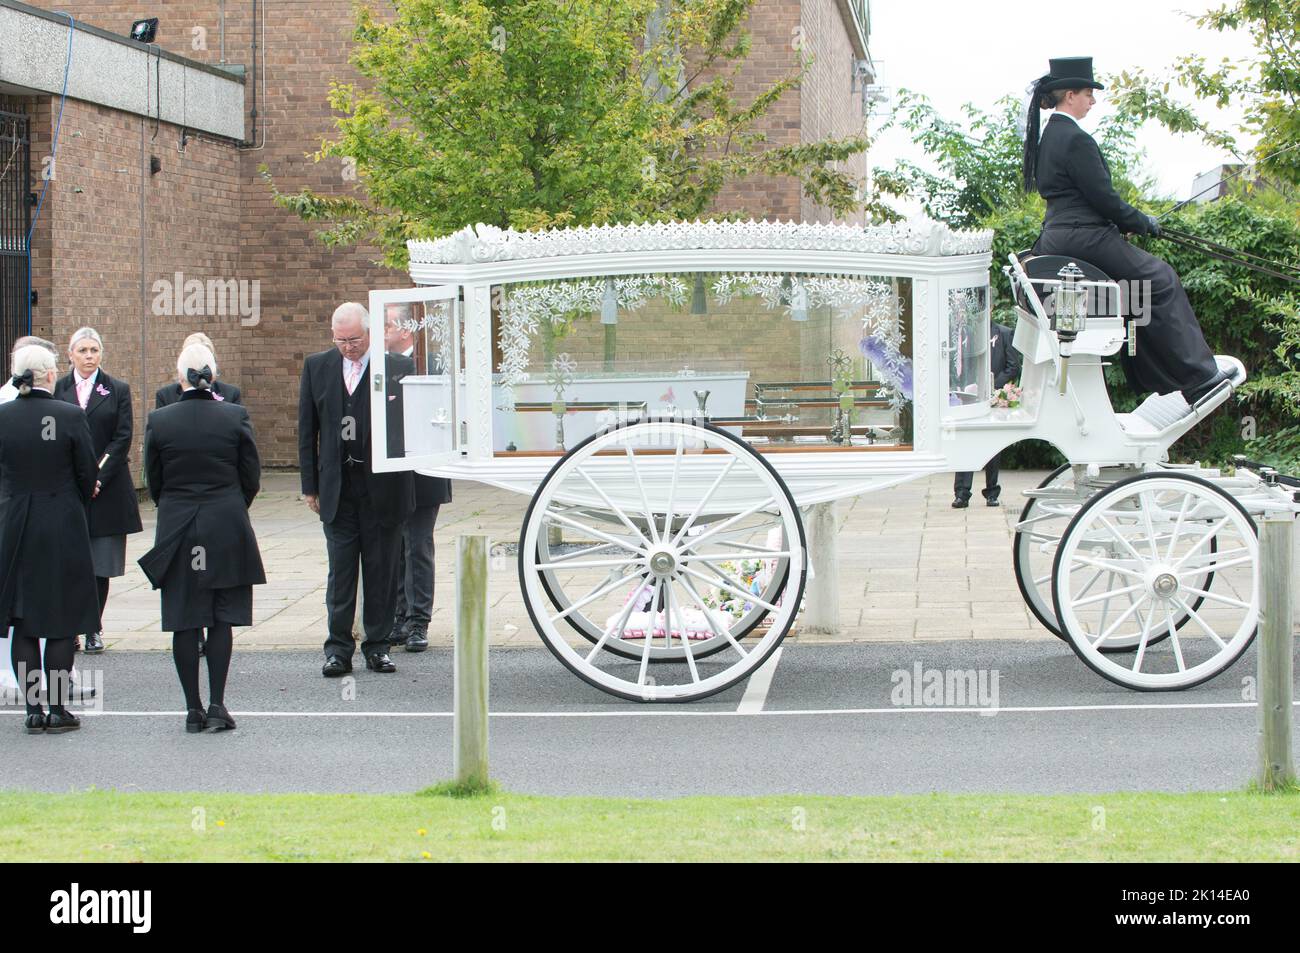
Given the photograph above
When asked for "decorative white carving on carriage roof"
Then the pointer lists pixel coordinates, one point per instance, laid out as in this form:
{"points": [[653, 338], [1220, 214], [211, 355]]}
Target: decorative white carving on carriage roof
{"points": [[487, 243]]}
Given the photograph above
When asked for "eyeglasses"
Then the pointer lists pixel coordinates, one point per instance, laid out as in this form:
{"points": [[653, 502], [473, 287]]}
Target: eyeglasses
{"points": [[348, 342]]}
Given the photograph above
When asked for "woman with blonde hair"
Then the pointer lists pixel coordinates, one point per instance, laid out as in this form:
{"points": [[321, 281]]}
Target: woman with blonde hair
{"points": [[47, 575], [201, 462], [114, 510]]}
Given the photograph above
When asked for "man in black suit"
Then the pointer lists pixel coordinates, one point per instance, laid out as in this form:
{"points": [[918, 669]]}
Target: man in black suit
{"points": [[361, 512], [1005, 362], [1085, 218], [221, 390], [415, 565]]}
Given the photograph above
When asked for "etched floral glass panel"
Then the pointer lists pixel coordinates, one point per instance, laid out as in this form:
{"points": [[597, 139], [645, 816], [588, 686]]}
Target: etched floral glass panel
{"points": [[782, 360], [969, 378], [421, 392]]}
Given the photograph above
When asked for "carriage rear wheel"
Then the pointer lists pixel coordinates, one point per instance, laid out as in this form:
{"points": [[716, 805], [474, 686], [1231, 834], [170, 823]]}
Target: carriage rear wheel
{"points": [[679, 538], [1157, 538]]}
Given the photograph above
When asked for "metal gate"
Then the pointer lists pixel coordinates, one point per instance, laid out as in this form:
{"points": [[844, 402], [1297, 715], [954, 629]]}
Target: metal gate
{"points": [[15, 222]]}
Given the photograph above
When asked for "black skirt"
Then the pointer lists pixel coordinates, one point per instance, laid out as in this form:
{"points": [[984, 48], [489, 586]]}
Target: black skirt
{"points": [[186, 605]]}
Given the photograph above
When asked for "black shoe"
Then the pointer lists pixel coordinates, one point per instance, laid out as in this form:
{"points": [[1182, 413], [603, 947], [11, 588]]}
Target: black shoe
{"points": [[335, 667], [380, 662], [219, 719], [94, 643], [960, 504], [195, 721], [34, 724], [417, 641], [991, 501], [60, 720], [1194, 394]]}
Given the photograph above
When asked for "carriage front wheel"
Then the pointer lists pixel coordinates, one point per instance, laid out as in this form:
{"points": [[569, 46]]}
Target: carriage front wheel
{"points": [[675, 533], [1166, 545]]}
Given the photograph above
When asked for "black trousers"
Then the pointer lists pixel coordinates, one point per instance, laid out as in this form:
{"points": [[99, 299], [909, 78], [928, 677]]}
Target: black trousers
{"points": [[961, 484], [1171, 353], [415, 572], [357, 540]]}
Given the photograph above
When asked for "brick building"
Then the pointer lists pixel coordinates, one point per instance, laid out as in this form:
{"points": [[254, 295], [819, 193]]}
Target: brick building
{"points": [[156, 220]]}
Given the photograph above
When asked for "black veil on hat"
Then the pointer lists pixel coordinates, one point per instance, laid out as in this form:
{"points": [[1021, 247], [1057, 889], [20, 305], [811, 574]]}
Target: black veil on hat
{"points": [[1063, 72]]}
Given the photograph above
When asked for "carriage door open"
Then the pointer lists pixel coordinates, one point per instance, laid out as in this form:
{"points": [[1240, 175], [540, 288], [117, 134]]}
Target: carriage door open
{"points": [[415, 363], [966, 368]]}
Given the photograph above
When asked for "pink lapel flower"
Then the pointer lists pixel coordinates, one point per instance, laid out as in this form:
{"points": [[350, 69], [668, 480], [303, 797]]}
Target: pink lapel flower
{"points": [[216, 396], [101, 390]]}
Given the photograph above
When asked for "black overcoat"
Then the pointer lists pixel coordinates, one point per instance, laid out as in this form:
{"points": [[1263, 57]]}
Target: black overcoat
{"points": [[47, 474], [170, 393], [115, 511], [203, 470]]}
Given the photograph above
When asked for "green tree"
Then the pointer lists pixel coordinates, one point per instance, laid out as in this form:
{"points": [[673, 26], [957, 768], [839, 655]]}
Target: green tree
{"points": [[551, 113], [1266, 86]]}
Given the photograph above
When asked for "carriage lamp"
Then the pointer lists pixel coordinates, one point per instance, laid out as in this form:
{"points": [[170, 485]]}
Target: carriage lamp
{"points": [[1070, 314]]}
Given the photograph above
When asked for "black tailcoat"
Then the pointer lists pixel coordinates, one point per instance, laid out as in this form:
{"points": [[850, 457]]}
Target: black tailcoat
{"points": [[1084, 219], [47, 474], [116, 511], [320, 440], [203, 470], [171, 393]]}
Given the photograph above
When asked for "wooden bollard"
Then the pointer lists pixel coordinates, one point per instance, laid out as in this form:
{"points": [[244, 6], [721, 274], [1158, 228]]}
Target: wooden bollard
{"points": [[1275, 668], [470, 682]]}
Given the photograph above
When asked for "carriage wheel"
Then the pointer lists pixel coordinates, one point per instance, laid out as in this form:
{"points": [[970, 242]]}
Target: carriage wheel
{"points": [[592, 631], [664, 521], [1038, 535], [1163, 541]]}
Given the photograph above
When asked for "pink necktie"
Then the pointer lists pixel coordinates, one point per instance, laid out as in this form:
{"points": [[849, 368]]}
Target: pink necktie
{"points": [[354, 375], [83, 392]]}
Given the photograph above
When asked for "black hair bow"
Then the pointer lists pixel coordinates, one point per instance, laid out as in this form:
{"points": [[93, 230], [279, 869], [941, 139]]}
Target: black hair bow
{"points": [[23, 379], [204, 373]]}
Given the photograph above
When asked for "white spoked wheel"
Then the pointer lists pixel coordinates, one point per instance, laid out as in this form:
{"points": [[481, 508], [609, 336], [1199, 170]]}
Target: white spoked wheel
{"points": [[1047, 513], [675, 533], [1167, 545]]}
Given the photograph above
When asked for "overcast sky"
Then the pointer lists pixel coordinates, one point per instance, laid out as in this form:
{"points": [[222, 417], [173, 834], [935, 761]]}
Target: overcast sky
{"points": [[972, 51]]}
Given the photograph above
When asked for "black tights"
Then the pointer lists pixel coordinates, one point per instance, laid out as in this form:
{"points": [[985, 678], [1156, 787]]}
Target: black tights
{"points": [[25, 653], [185, 652], [102, 583]]}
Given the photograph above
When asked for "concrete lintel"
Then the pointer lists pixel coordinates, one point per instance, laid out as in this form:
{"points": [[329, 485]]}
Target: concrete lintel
{"points": [[114, 72]]}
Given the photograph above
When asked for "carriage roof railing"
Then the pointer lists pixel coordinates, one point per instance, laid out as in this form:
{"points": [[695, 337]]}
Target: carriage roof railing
{"points": [[485, 252]]}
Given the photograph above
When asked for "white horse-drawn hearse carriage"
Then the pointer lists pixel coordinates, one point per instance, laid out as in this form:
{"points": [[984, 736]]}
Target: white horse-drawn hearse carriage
{"points": [[672, 396]]}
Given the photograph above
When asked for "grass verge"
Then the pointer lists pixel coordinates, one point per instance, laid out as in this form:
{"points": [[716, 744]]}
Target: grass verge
{"points": [[441, 825]]}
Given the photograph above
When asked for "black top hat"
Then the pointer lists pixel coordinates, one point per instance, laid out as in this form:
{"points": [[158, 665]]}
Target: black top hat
{"points": [[1069, 72]]}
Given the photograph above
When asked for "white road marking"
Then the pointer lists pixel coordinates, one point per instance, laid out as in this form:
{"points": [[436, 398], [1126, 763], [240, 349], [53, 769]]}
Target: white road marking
{"points": [[759, 683], [652, 712]]}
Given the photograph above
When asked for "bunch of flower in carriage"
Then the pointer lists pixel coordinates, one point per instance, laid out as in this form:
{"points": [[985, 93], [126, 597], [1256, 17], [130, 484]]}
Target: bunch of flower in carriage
{"points": [[1009, 396]]}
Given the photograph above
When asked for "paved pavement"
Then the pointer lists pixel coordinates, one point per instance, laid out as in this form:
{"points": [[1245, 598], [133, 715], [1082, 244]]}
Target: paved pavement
{"points": [[893, 546], [828, 725]]}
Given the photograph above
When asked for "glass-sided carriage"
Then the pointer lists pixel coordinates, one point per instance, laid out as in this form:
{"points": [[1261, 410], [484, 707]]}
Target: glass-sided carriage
{"points": [[671, 396]]}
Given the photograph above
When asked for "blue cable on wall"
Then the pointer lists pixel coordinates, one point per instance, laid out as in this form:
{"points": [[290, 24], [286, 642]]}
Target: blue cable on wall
{"points": [[54, 156]]}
